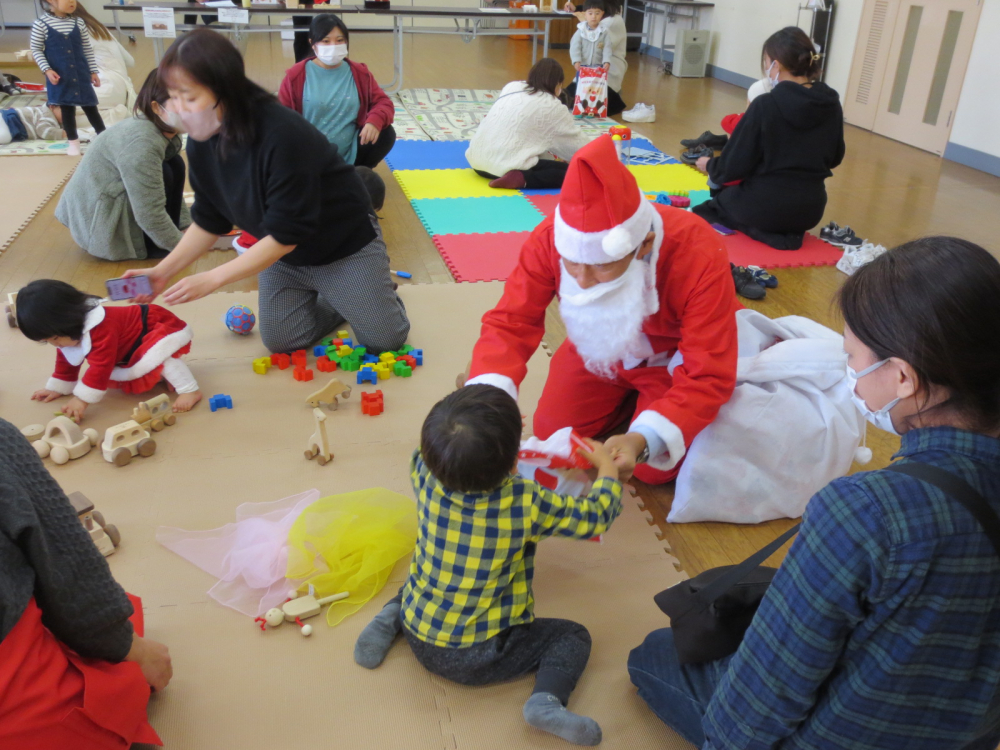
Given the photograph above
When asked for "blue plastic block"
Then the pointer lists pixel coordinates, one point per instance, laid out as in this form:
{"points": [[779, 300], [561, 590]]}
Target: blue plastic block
{"points": [[367, 376], [370, 359], [348, 342], [417, 354], [220, 401], [319, 351]]}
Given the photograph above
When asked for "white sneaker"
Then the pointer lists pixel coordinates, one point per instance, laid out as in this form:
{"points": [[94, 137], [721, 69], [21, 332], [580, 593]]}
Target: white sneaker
{"points": [[640, 113], [855, 257]]}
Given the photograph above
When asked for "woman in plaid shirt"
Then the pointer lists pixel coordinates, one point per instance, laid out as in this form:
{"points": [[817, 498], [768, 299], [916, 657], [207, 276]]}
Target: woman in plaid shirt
{"points": [[466, 609]]}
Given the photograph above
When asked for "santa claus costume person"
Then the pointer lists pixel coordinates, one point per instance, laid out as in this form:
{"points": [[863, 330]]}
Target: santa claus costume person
{"points": [[647, 297], [131, 347]]}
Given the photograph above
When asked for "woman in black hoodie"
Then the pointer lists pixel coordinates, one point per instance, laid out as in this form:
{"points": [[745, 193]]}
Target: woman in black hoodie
{"points": [[768, 180]]}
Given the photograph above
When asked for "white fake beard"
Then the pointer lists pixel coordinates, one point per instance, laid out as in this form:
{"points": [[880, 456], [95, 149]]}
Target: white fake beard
{"points": [[604, 322]]}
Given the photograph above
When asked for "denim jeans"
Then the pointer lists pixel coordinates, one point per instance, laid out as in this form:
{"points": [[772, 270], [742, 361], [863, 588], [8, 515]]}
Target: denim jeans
{"points": [[678, 694]]}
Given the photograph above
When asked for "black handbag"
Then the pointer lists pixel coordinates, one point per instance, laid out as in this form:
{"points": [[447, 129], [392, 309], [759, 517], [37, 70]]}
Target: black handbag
{"points": [[710, 613]]}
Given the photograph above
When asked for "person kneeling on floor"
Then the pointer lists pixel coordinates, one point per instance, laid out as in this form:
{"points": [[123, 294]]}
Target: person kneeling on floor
{"points": [[647, 297], [467, 611]]}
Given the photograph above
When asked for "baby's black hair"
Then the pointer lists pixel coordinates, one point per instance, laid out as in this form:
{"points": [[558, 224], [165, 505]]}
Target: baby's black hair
{"points": [[470, 439], [588, 4], [47, 308]]}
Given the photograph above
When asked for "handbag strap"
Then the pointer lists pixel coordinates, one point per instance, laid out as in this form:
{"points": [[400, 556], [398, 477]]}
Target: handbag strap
{"points": [[959, 490]]}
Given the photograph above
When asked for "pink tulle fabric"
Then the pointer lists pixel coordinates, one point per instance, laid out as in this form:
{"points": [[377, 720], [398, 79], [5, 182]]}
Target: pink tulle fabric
{"points": [[249, 557]]}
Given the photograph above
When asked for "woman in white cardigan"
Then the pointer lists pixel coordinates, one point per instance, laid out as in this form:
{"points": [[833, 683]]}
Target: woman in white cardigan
{"points": [[526, 122]]}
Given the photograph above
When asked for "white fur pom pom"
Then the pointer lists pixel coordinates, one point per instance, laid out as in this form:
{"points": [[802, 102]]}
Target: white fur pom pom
{"points": [[863, 454], [617, 243]]}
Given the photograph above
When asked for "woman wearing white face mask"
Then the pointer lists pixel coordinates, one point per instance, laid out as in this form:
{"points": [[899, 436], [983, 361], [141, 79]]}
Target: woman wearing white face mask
{"points": [[126, 199], [881, 629], [340, 96]]}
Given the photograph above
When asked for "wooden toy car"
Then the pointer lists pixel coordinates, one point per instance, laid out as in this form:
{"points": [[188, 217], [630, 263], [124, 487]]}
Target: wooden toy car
{"points": [[105, 535], [64, 440], [155, 414], [122, 441], [11, 309]]}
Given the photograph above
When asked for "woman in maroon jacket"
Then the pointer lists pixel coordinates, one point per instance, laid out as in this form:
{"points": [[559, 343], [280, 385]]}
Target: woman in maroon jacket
{"points": [[352, 111]]}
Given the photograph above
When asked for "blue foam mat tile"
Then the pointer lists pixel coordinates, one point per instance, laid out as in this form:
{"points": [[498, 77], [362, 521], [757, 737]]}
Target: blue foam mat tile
{"points": [[428, 155], [540, 191], [506, 213]]}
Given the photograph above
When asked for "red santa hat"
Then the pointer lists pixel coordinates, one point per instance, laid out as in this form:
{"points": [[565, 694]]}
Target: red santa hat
{"points": [[602, 215]]}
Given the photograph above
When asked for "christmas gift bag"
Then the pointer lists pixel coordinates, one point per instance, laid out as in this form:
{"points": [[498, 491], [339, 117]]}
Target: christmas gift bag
{"points": [[591, 93]]}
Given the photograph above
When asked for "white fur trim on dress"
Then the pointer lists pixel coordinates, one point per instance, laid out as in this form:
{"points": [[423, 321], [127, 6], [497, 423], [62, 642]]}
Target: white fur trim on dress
{"points": [[88, 394], [669, 433], [65, 387], [495, 379], [607, 245], [155, 356]]}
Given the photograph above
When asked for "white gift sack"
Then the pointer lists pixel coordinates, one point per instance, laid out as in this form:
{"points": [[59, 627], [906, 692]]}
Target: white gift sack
{"points": [[789, 429]]}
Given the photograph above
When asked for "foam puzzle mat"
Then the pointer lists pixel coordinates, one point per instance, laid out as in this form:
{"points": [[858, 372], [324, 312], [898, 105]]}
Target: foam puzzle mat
{"points": [[746, 251], [418, 184], [506, 213], [27, 186], [481, 257], [235, 686]]}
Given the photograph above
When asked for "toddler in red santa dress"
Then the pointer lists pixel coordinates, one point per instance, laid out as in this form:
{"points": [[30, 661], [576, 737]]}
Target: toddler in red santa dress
{"points": [[131, 347]]}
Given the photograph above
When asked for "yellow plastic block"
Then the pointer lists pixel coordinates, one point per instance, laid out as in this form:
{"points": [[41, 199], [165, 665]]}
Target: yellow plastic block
{"points": [[668, 178], [344, 350], [443, 183], [367, 366], [343, 335], [387, 357], [383, 372], [261, 365]]}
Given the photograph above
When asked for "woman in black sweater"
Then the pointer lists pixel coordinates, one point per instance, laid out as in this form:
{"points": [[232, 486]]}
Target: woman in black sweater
{"points": [[769, 179], [321, 260], [66, 627]]}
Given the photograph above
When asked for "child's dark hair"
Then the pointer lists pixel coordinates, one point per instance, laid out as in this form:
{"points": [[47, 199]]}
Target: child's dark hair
{"points": [[934, 303], [545, 75], [588, 4], [374, 184], [323, 23], [470, 439], [152, 90], [793, 48], [47, 308]]}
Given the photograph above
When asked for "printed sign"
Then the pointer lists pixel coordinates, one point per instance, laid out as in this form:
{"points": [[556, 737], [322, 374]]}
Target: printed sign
{"points": [[234, 15], [159, 22]]}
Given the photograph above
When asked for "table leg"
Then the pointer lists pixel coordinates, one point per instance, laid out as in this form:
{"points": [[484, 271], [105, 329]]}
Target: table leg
{"points": [[545, 39], [397, 56], [118, 26], [158, 48], [663, 35], [534, 42]]}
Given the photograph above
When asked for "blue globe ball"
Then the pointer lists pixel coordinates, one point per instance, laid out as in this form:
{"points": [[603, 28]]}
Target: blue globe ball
{"points": [[240, 319]]}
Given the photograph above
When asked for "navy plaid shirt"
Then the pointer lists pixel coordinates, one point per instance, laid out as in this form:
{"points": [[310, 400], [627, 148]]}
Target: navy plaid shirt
{"points": [[881, 630]]}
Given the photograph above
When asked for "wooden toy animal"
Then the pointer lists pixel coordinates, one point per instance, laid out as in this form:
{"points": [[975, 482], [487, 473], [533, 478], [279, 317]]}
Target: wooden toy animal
{"points": [[328, 394], [319, 446]]}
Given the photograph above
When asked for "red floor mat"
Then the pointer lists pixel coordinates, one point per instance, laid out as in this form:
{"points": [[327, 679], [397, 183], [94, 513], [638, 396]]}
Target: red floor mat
{"points": [[544, 203], [481, 257], [744, 251]]}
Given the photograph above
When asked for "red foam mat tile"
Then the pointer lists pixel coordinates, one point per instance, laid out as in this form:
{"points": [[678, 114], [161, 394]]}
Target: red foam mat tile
{"points": [[744, 251], [544, 203], [481, 257]]}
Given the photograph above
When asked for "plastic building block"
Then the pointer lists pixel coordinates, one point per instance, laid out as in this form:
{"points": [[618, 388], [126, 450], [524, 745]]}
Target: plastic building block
{"points": [[281, 361], [350, 364], [372, 404], [261, 365], [331, 352], [319, 351], [343, 350], [384, 370], [418, 354], [326, 342], [324, 364], [299, 358], [220, 401], [402, 369], [408, 359], [361, 351], [347, 342], [328, 394], [302, 373], [680, 201], [367, 376], [387, 357], [406, 349], [336, 343], [342, 334], [370, 358]]}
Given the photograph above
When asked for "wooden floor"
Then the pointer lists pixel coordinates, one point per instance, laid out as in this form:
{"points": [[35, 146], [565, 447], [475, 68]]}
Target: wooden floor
{"points": [[886, 191]]}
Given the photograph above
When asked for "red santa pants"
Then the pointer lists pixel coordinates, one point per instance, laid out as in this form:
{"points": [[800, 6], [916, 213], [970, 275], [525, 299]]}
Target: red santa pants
{"points": [[592, 405]]}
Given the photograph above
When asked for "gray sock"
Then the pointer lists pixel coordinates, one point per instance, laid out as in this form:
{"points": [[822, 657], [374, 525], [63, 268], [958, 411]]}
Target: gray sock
{"points": [[544, 711], [377, 637]]}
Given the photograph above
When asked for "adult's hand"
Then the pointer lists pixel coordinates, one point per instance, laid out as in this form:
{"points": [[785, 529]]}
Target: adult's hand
{"points": [[191, 288], [569, 7], [157, 282], [52, 76], [369, 134], [153, 659], [702, 164], [625, 449]]}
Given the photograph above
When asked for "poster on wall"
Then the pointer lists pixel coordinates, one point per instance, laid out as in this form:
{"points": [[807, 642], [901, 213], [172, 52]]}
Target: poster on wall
{"points": [[234, 15], [159, 22]]}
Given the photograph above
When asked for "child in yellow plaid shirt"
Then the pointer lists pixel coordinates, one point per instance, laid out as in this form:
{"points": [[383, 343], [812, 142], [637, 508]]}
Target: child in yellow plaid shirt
{"points": [[466, 609]]}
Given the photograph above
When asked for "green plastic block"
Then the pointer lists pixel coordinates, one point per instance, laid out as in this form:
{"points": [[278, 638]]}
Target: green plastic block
{"points": [[405, 350], [402, 369], [361, 351], [350, 364]]}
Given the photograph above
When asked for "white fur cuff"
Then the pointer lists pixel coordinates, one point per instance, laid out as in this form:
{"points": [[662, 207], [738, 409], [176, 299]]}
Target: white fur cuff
{"points": [[88, 394], [669, 433], [495, 379], [65, 387]]}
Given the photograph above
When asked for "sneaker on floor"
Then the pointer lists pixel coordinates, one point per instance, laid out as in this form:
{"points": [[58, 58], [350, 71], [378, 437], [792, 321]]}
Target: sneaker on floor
{"points": [[746, 284], [640, 113], [708, 138], [762, 277], [512, 180], [839, 236], [855, 257], [692, 155]]}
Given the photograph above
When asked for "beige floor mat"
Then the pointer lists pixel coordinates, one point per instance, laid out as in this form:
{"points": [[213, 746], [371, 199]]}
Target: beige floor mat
{"points": [[25, 186], [237, 687]]}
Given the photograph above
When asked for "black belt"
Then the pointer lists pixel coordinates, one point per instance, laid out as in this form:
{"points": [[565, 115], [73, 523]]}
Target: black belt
{"points": [[144, 311]]}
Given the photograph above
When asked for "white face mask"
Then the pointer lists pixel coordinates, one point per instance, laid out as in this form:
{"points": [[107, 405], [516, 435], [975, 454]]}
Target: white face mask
{"points": [[330, 54], [772, 81], [201, 125], [172, 120], [880, 418]]}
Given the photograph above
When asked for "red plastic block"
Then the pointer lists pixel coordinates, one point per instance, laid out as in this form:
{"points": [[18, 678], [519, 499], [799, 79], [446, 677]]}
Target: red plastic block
{"points": [[372, 404], [281, 361], [411, 361], [303, 374], [299, 358], [323, 364]]}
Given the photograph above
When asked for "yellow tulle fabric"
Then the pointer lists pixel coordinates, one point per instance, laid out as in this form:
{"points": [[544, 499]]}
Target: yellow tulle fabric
{"points": [[351, 542]]}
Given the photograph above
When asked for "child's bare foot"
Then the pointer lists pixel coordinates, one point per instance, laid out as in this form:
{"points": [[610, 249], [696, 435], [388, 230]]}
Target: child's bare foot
{"points": [[186, 401]]}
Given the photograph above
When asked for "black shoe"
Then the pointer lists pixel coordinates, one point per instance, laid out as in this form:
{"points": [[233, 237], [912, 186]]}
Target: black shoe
{"points": [[693, 154], [746, 284], [708, 138]]}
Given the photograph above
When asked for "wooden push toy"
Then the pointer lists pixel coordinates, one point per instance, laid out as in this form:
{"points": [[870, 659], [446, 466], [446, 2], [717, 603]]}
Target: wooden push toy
{"points": [[297, 609], [33, 431], [155, 414], [11, 309], [64, 440], [328, 395], [122, 441], [319, 446], [105, 535]]}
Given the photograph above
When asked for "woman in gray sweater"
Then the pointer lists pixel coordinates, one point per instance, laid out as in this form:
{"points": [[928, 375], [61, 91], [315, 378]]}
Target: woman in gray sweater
{"points": [[126, 199]]}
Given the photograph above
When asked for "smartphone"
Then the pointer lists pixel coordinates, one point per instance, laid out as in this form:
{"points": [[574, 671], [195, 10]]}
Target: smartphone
{"points": [[129, 288], [724, 231]]}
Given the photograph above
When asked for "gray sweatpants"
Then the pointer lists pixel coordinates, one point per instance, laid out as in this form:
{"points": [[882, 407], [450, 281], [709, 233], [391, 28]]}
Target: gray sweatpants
{"points": [[299, 305]]}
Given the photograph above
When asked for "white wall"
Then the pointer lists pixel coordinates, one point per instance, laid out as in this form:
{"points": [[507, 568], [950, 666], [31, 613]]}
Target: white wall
{"points": [[977, 118]]}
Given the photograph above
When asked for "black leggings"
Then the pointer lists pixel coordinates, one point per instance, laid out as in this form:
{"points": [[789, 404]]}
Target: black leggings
{"points": [[615, 103], [370, 154], [69, 120], [546, 174], [174, 172]]}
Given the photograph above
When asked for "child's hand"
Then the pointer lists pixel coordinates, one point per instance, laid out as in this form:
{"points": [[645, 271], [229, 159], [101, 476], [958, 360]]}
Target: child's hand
{"points": [[600, 457], [607, 66], [75, 408], [45, 395], [52, 76], [96, 80]]}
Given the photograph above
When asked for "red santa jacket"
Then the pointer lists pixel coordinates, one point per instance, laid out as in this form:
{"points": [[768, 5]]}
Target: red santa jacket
{"points": [[697, 318], [376, 106], [110, 334]]}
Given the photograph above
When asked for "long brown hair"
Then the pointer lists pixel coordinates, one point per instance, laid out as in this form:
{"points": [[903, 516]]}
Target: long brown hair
{"points": [[97, 29], [545, 75], [935, 304]]}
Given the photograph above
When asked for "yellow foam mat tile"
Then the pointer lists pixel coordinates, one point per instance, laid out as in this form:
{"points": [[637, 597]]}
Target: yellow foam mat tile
{"points": [[663, 178], [444, 183]]}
